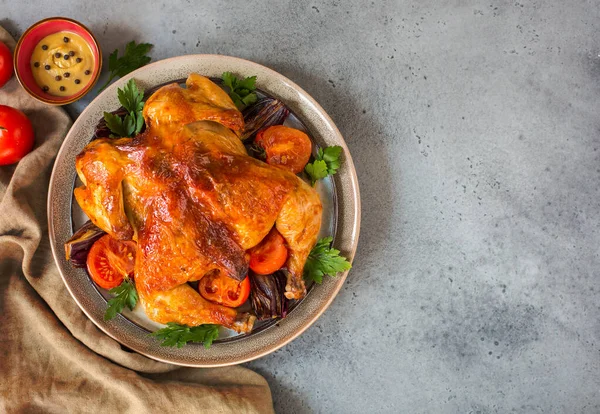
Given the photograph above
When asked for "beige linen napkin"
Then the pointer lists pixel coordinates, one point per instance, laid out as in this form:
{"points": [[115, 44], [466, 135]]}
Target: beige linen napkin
{"points": [[53, 359]]}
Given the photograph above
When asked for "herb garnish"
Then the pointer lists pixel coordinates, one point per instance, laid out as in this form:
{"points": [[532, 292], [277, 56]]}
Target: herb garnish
{"points": [[241, 91], [324, 260], [130, 125], [125, 295], [327, 162], [133, 58], [179, 335]]}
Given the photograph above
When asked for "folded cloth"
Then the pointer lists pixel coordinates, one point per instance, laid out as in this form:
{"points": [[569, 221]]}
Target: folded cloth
{"points": [[53, 359]]}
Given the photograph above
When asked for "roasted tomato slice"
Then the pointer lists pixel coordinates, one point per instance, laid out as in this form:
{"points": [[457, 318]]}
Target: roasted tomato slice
{"points": [[110, 260], [219, 288], [269, 255], [284, 146]]}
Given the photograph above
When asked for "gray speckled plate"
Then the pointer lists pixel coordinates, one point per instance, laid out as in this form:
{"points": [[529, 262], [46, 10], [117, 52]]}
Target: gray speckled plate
{"points": [[130, 329]]}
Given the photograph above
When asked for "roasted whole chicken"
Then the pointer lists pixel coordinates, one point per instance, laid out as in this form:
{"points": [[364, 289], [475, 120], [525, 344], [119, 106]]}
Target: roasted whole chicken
{"points": [[194, 201]]}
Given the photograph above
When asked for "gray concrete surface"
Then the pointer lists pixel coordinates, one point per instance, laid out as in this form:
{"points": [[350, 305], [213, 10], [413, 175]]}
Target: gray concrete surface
{"points": [[475, 130]]}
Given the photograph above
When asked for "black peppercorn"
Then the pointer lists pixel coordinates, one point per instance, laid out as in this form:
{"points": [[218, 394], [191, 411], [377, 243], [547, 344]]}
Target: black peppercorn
{"points": [[67, 74], [62, 88], [87, 72], [78, 60], [57, 55], [36, 64], [45, 88], [66, 39], [71, 53], [57, 78], [66, 57], [77, 81], [47, 67], [44, 47]]}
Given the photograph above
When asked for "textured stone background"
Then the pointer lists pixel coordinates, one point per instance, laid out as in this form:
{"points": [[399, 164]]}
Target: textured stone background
{"points": [[474, 126]]}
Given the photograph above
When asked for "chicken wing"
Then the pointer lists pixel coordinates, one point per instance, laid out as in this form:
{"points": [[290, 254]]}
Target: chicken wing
{"points": [[195, 202], [174, 107]]}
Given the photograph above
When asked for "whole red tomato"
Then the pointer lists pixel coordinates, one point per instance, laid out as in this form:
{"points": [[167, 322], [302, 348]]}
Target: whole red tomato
{"points": [[6, 64], [16, 135]]}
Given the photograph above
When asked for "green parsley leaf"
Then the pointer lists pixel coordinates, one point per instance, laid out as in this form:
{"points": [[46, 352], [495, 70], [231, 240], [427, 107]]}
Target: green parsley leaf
{"points": [[132, 100], [229, 80], [249, 99], [131, 97], [179, 335], [248, 84], [125, 295], [327, 162], [139, 123], [133, 58], [316, 170], [241, 91], [115, 124], [331, 155], [131, 124], [324, 260]]}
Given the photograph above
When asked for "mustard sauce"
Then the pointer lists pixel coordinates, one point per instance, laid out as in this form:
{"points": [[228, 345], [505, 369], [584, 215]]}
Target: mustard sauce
{"points": [[62, 63]]}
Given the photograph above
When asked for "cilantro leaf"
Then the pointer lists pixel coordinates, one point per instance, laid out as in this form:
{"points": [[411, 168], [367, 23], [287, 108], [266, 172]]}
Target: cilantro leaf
{"points": [[131, 98], [324, 260], [327, 162], [179, 335], [124, 295], [241, 91], [316, 170], [133, 58]]}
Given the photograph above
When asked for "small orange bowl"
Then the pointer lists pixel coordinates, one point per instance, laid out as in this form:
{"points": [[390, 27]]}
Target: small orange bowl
{"points": [[29, 41]]}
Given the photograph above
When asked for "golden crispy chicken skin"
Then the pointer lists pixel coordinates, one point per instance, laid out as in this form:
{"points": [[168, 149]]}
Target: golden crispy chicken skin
{"points": [[194, 201], [200, 100]]}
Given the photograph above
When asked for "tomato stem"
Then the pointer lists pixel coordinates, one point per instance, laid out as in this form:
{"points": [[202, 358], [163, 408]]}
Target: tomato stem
{"points": [[2, 128]]}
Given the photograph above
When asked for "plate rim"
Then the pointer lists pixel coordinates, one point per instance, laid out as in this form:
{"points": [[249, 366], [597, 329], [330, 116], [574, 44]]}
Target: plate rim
{"points": [[350, 170]]}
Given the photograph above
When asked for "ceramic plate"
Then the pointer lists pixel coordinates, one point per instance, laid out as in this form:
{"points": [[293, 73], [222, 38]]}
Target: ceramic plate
{"points": [[340, 196]]}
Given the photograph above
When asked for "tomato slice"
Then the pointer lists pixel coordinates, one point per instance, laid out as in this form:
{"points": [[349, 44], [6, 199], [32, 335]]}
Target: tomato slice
{"points": [[110, 261], [269, 255], [284, 146], [219, 288]]}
